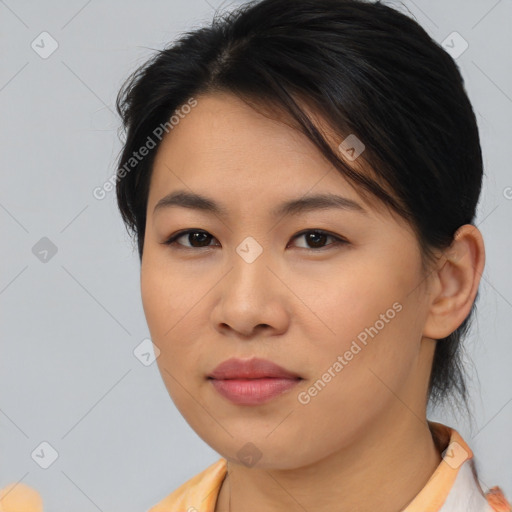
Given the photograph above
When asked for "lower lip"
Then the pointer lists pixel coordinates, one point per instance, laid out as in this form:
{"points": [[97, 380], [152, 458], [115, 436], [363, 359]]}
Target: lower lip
{"points": [[253, 391]]}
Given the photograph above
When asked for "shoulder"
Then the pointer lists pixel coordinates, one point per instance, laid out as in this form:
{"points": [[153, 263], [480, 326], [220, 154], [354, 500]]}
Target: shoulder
{"points": [[496, 499], [198, 494]]}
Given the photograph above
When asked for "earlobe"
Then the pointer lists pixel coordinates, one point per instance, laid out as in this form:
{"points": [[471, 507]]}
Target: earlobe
{"points": [[458, 277]]}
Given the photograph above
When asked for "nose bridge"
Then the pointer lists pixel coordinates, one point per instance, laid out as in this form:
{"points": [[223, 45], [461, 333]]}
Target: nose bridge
{"points": [[250, 250], [249, 278]]}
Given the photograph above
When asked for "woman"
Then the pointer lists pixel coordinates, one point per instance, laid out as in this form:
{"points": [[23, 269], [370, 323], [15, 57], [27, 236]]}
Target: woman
{"points": [[302, 179]]}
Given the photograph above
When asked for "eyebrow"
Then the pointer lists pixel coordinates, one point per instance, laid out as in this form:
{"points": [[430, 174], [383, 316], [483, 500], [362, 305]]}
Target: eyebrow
{"points": [[194, 201]]}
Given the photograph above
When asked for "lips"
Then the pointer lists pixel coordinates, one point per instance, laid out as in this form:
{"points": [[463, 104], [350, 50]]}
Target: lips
{"points": [[252, 382], [254, 368]]}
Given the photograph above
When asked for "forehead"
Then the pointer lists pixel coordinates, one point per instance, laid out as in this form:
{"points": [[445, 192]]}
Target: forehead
{"points": [[226, 147], [223, 131]]}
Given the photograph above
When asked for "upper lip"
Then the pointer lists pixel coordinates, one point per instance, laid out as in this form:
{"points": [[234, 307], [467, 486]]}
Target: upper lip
{"points": [[254, 368]]}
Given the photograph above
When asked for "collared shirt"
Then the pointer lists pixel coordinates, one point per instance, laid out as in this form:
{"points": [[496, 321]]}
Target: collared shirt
{"points": [[453, 487]]}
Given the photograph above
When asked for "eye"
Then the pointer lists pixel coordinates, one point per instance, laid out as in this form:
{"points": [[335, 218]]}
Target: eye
{"points": [[194, 236], [317, 237], [201, 239]]}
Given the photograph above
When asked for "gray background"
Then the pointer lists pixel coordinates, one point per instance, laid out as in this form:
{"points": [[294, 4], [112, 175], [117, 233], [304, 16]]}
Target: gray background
{"points": [[70, 324]]}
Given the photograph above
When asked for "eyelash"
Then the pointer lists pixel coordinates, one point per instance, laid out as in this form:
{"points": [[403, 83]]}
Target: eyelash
{"points": [[172, 241]]}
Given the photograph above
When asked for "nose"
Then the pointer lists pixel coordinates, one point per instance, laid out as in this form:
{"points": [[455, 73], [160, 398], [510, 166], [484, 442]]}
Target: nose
{"points": [[252, 300]]}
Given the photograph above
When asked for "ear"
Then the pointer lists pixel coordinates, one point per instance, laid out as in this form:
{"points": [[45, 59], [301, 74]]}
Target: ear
{"points": [[455, 283]]}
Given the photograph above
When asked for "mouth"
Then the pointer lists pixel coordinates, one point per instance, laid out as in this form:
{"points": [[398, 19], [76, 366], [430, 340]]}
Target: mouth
{"points": [[253, 381]]}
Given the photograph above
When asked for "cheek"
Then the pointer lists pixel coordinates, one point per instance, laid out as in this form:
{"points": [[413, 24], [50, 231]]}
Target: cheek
{"points": [[349, 301], [164, 296], [371, 323], [366, 382], [168, 303]]}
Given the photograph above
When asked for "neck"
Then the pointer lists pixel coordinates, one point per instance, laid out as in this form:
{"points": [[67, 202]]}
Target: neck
{"points": [[383, 471]]}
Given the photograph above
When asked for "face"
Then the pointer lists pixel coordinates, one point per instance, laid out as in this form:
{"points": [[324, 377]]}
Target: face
{"points": [[331, 294]]}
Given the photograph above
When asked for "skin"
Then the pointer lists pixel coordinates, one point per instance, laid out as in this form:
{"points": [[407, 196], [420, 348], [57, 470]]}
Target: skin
{"points": [[362, 443]]}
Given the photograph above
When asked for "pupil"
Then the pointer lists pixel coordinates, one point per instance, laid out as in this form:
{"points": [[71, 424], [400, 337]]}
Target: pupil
{"points": [[315, 234], [195, 237]]}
